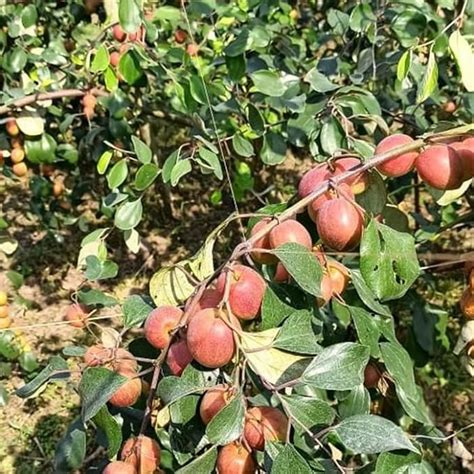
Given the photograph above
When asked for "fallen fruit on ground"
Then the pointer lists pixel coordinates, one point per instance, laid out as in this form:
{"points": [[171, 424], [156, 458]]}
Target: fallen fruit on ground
{"points": [[77, 314]]}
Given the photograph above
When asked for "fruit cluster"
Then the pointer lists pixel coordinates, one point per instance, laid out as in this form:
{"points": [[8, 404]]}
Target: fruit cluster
{"points": [[209, 328], [17, 152], [5, 321]]}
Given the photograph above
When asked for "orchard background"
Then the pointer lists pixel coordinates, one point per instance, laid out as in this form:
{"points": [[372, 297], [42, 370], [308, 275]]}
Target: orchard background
{"points": [[141, 145]]}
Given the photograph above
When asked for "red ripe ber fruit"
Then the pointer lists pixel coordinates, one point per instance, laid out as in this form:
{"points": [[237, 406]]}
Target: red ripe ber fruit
{"points": [[127, 394], [343, 190], [440, 167], [359, 182], [401, 164], [143, 453], [119, 467], [262, 243], [235, 459], [371, 376], [159, 324], [118, 33], [290, 231], [465, 151], [339, 276], [339, 224], [114, 58], [281, 273], [213, 401], [77, 315], [180, 36], [210, 340], [264, 424], [178, 357], [211, 297], [192, 49], [247, 288], [312, 179]]}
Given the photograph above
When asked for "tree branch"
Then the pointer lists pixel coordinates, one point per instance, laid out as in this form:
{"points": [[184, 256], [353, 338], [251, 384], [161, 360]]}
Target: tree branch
{"points": [[33, 98]]}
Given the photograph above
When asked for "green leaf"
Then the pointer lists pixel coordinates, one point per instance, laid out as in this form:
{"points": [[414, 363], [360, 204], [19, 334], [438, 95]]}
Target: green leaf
{"points": [[29, 15], [239, 45], [104, 161], [130, 15], [289, 460], [366, 294], [16, 60], [97, 269], [242, 146], [390, 463], [367, 329], [191, 381], [236, 67], [71, 449], [368, 434], [180, 169], [55, 365], [297, 334], [429, 81], [388, 261], [319, 82], [129, 215], [135, 310], [132, 240], [101, 60], [400, 366], [95, 389], [308, 411], [118, 174], [129, 66], [338, 367], [302, 265], [142, 150], [27, 361], [255, 119], [16, 279], [373, 199], [464, 57], [92, 297], [403, 66], [227, 425], [357, 402], [332, 136], [210, 160], [111, 80], [204, 463], [273, 150], [279, 302], [145, 176], [42, 150], [268, 83], [111, 428]]}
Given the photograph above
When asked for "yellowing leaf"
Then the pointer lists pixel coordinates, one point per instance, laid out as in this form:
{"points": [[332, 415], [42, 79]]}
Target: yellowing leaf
{"points": [[31, 125], [163, 417], [269, 363], [8, 245], [454, 194], [464, 57], [170, 286]]}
